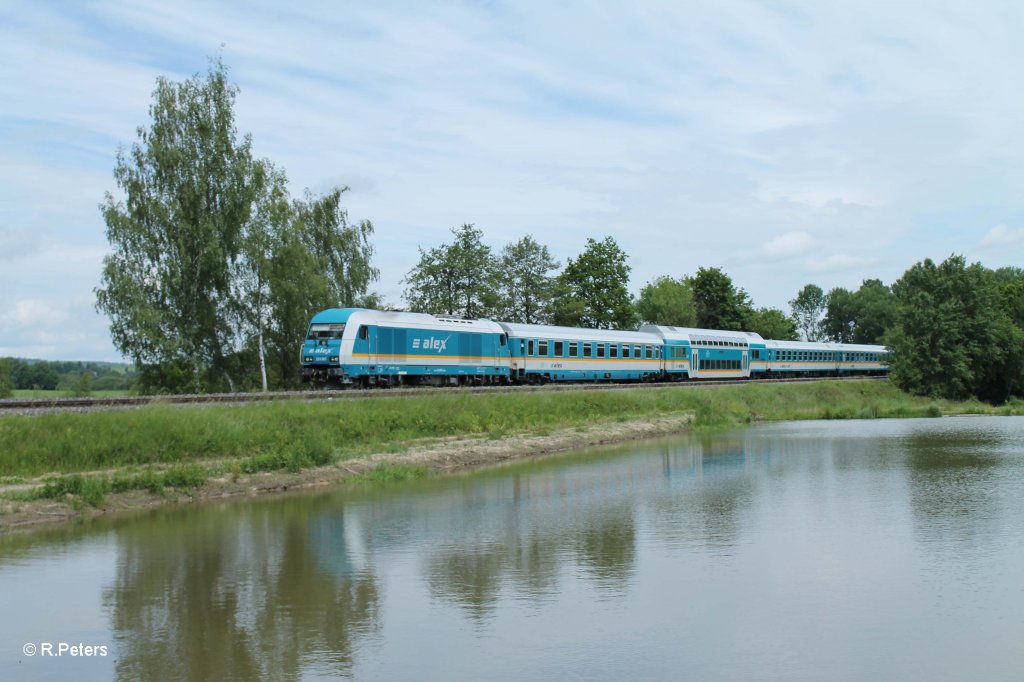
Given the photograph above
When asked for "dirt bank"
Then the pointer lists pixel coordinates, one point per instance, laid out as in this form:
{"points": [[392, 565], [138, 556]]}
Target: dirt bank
{"points": [[449, 455]]}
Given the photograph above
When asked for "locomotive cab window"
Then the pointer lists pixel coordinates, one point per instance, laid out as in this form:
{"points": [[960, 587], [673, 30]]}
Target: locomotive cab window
{"points": [[325, 331], [364, 332]]}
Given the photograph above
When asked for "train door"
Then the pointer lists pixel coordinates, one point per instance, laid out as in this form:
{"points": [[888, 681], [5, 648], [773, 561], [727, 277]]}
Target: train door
{"points": [[371, 346], [745, 364], [695, 363]]}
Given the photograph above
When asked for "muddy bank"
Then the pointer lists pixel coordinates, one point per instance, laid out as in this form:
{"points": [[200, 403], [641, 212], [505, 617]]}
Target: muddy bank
{"points": [[448, 455]]}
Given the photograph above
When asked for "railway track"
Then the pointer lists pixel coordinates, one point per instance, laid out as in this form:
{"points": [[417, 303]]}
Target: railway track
{"points": [[36, 405]]}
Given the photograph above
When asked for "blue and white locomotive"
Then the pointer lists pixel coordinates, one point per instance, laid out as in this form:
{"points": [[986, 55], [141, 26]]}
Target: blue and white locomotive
{"points": [[355, 346]]}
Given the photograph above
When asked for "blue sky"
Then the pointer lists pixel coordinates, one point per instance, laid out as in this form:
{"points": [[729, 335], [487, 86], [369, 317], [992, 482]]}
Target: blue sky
{"points": [[784, 142]]}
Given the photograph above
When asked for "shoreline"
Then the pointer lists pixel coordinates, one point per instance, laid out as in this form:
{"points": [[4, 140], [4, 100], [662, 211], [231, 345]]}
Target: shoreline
{"points": [[445, 456]]}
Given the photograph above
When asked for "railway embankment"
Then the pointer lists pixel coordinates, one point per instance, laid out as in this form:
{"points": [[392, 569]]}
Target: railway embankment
{"points": [[62, 466]]}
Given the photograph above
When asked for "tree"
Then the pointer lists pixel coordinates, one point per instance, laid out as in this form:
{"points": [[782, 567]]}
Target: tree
{"points": [[772, 323], [253, 275], [592, 289], [455, 279], [876, 311], [525, 287], [808, 307], [862, 316], [667, 301], [213, 263], [188, 186], [840, 316], [319, 261], [719, 304], [952, 337]]}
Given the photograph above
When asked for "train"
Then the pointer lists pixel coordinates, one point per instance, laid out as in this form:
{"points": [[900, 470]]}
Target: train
{"points": [[358, 347]]}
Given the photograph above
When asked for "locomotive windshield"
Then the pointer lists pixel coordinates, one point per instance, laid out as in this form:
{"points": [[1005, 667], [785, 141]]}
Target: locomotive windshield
{"points": [[325, 331]]}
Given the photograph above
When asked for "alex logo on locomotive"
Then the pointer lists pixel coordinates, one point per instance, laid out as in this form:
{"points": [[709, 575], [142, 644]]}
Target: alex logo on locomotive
{"points": [[430, 343]]}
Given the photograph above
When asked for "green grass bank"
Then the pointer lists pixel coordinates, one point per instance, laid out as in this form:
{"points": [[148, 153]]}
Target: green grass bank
{"points": [[162, 446]]}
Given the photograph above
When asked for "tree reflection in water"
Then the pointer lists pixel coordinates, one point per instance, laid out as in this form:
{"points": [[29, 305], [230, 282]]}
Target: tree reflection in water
{"points": [[235, 593]]}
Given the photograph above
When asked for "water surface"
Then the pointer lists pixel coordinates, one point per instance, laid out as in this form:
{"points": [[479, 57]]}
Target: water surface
{"points": [[798, 551]]}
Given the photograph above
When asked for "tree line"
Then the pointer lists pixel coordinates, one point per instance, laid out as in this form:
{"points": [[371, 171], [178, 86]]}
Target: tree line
{"points": [[522, 283], [216, 270], [74, 376]]}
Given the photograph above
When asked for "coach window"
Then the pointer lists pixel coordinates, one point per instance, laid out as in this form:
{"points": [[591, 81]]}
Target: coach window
{"points": [[574, 349], [613, 350], [559, 349], [600, 350], [588, 349], [542, 348], [648, 352], [625, 350], [529, 347]]}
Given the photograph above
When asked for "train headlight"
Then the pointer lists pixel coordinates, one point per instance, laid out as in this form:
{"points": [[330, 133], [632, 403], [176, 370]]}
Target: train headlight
{"points": [[308, 358], [334, 358]]}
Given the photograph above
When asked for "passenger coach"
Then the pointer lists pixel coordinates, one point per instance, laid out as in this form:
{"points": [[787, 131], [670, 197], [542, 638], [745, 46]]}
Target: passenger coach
{"points": [[541, 353], [708, 353]]}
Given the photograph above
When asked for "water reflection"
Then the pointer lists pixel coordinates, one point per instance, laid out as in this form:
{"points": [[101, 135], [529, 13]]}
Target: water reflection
{"points": [[953, 480], [236, 593]]}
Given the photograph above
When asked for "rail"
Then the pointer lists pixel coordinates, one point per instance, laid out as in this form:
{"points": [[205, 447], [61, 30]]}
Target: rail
{"points": [[46, 404]]}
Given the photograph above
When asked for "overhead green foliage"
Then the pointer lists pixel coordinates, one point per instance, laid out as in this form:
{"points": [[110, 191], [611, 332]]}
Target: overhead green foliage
{"points": [[954, 336], [667, 301], [592, 289]]}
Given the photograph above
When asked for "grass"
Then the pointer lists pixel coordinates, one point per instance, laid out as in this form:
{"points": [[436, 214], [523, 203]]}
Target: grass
{"points": [[160, 446]]}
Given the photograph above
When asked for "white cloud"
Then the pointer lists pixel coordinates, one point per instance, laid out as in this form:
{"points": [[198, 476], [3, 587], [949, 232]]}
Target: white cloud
{"points": [[1000, 235]]}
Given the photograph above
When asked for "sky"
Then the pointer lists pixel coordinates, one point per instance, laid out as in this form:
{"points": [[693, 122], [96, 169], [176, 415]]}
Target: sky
{"points": [[787, 143]]}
